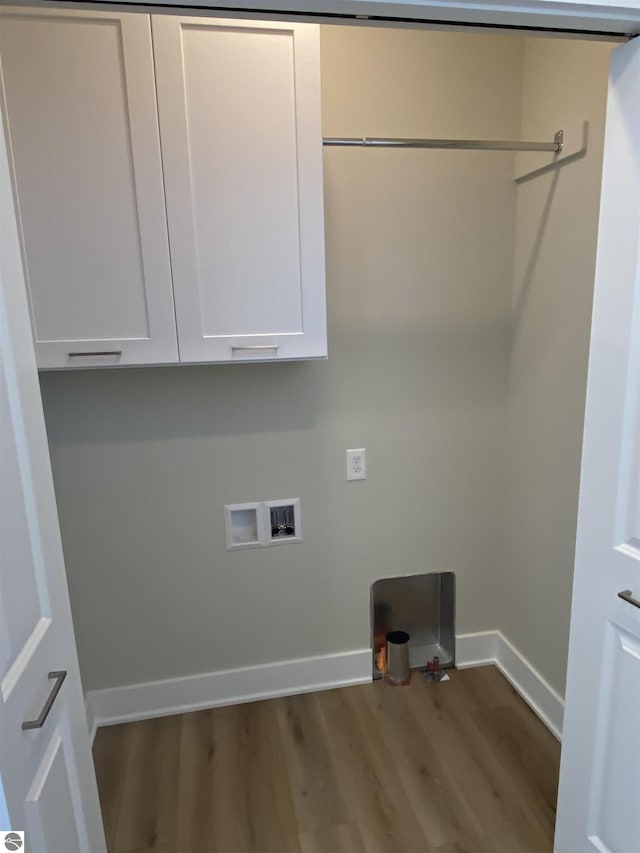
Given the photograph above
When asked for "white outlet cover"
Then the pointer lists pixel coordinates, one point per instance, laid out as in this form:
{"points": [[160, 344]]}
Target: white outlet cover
{"points": [[357, 464]]}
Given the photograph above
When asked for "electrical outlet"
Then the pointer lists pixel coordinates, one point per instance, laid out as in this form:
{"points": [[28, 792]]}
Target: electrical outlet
{"points": [[357, 464]]}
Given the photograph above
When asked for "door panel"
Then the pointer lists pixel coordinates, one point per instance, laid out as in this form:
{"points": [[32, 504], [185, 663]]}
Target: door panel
{"points": [[600, 766], [615, 816], [49, 797], [81, 115], [20, 606], [46, 773], [255, 173], [241, 145]]}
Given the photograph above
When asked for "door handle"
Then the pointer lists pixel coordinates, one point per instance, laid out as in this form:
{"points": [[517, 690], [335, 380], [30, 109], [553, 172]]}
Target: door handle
{"points": [[626, 595], [256, 347], [96, 353], [39, 722]]}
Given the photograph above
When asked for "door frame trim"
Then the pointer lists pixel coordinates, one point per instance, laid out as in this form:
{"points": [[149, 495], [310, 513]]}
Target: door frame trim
{"points": [[589, 19]]}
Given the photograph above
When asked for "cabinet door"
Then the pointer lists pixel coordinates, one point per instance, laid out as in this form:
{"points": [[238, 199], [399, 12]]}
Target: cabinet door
{"points": [[239, 106], [81, 116]]}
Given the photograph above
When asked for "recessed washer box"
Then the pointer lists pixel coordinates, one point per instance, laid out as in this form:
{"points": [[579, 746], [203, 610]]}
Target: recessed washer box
{"points": [[259, 524], [285, 525]]}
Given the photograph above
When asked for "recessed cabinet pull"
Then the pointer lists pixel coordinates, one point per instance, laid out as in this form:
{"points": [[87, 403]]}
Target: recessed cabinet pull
{"points": [[627, 596], [114, 352], [256, 347], [38, 723]]}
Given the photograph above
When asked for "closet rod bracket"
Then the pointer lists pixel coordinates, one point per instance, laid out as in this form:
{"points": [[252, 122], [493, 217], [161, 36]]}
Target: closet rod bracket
{"points": [[558, 138]]}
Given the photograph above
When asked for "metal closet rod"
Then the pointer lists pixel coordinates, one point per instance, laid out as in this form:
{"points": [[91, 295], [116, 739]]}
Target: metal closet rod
{"points": [[554, 147]]}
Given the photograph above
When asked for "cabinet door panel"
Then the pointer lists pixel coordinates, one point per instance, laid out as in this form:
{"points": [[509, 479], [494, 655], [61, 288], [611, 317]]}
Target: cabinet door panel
{"points": [[82, 122], [241, 142]]}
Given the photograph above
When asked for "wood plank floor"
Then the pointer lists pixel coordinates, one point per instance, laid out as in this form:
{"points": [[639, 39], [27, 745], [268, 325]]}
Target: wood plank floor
{"points": [[462, 766]]}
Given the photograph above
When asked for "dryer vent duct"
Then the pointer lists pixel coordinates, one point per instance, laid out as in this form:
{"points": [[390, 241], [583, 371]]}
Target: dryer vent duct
{"points": [[424, 607]]}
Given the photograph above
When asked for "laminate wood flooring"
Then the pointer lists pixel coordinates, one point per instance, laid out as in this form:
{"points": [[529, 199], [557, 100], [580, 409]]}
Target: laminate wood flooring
{"points": [[462, 766]]}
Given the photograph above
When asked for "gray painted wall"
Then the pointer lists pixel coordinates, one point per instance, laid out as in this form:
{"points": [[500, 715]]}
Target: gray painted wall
{"points": [[419, 276], [556, 231]]}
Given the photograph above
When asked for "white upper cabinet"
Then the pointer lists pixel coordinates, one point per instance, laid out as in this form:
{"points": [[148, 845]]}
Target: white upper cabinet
{"points": [[196, 180], [239, 108], [81, 114]]}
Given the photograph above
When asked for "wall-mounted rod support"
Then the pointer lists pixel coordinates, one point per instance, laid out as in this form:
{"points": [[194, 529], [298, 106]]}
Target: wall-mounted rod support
{"points": [[554, 147]]}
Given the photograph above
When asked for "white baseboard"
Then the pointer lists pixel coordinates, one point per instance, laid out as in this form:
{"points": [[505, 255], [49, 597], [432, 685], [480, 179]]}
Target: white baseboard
{"points": [[492, 647], [228, 687], [533, 688], [476, 649], [306, 675]]}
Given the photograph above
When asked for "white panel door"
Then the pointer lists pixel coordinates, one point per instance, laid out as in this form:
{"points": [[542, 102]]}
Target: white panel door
{"points": [[46, 772], [81, 115], [239, 106], [599, 801]]}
